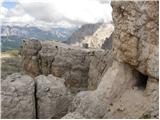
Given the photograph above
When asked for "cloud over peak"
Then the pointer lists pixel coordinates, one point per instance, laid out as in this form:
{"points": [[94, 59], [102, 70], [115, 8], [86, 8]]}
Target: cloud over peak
{"points": [[59, 12]]}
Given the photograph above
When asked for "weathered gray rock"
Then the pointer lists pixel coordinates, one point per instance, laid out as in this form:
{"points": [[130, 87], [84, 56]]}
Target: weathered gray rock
{"points": [[94, 104], [73, 115], [137, 103], [99, 64], [107, 44], [29, 51], [127, 84], [135, 41], [81, 33], [88, 105], [67, 62], [93, 35], [152, 92], [60, 60], [136, 35], [123, 92], [52, 97], [99, 37], [17, 97]]}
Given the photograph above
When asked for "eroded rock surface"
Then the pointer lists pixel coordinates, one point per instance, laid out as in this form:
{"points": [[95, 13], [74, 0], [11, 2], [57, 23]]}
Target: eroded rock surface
{"points": [[136, 35], [52, 97], [60, 60], [94, 35], [85, 30], [100, 37], [17, 97], [73, 115], [94, 104], [29, 54], [99, 64]]}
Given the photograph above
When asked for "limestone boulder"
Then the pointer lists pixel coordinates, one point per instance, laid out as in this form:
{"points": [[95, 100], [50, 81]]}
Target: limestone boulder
{"points": [[60, 60], [29, 51], [94, 104], [99, 64], [52, 97], [18, 97], [136, 35]]}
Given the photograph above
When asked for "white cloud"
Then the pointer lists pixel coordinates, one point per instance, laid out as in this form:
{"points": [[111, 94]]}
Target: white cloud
{"points": [[15, 15], [61, 12], [4, 11], [1, 2]]}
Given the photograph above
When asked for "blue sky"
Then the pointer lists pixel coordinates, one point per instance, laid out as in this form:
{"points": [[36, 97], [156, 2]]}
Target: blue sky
{"points": [[9, 4]]}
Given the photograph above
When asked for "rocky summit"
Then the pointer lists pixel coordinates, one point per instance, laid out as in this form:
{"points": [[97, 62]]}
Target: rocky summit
{"points": [[110, 76]]}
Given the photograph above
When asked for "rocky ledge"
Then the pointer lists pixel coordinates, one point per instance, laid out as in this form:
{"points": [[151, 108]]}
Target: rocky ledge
{"points": [[61, 60]]}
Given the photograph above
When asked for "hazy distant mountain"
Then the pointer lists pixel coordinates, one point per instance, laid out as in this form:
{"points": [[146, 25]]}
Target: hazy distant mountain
{"points": [[11, 36], [92, 35], [82, 32]]}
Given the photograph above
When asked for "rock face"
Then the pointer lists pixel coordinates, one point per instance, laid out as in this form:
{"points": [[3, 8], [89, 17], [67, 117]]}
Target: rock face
{"points": [[99, 37], [122, 93], [136, 35], [29, 53], [17, 97], [73, 115], [107, 43], [44, 97], [152, 91], [92, 34], [82, 32], [99, 64], [94, 104], [60, 60], [52, 97]]}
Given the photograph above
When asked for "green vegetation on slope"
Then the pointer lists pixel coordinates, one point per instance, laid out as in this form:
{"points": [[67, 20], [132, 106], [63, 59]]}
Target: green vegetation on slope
{"points": [[10, 63]]}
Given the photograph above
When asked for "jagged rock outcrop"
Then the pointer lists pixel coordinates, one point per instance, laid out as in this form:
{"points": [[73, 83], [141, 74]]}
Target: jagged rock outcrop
{"points": [[97, 35], [100, 36], [82, 32], [107, 44], [60, 60], [126, 89], [94, 104], [122, 93], [18, 97], [29, 51], [52, 97], [99, 64], [136, 35]]}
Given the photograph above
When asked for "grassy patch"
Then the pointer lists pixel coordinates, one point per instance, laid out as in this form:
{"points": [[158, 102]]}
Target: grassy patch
{"points": [[12, 53], [10, 63]]}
